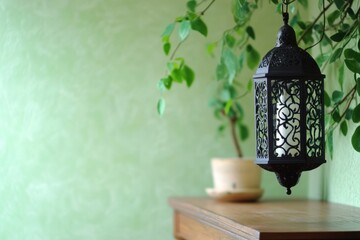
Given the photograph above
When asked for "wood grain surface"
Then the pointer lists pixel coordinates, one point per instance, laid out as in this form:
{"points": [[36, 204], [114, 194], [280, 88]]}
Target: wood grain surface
{"points": [[201, 218]]}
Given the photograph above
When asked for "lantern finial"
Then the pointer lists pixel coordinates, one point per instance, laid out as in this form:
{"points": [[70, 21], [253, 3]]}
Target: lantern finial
{"points": [[286, 36]]}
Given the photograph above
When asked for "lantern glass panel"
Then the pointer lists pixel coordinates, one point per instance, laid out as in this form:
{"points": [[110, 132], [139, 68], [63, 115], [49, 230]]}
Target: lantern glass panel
{"points": [[314, 118], [286, 104]]}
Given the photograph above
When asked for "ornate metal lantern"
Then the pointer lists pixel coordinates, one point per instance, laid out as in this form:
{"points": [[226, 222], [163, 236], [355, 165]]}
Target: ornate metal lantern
{"points": [[289, 110]]}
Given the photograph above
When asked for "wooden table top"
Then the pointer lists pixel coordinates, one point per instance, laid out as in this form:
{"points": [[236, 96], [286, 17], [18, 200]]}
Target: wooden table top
{"points": [[274, 219]]}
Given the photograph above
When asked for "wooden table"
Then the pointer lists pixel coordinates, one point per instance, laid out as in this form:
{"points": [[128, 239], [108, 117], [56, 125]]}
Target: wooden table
{"points": [[202, 218]]}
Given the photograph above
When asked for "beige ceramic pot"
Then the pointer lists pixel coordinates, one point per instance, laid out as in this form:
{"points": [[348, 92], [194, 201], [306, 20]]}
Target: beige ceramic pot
{"points": [[235, 179]]}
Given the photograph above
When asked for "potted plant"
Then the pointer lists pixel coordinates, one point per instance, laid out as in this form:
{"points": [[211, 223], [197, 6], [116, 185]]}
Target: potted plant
{"points": [[337, 37], [238, 177]]}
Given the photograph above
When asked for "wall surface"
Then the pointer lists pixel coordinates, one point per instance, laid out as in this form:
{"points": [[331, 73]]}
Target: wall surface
{"points": [[341, 175], [83, 154], [338, 180]]}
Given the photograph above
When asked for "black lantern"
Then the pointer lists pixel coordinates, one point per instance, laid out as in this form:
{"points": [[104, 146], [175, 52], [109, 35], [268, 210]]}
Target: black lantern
{"points": [[289, 110]]}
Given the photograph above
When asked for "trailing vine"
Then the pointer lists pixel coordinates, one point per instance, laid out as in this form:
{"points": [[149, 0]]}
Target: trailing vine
{"points": [[338, 48]]}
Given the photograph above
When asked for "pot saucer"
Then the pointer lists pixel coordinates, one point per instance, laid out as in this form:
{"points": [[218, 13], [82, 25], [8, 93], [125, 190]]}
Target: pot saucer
{"points": [[239, 195]]}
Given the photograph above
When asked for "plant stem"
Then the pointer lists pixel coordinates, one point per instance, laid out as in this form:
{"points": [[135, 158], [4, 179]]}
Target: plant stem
{"points": [[313, 23], [179, 44], [351, 93], [175, 50], [207, 7], [235, 137], [343, 99]]}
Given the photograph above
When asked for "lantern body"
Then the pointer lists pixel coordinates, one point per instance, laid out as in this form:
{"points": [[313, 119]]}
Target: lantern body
{"points": [[289, 112]]}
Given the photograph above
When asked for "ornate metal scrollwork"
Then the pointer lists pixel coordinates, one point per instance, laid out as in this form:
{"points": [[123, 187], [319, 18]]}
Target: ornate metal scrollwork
{"points": [[285, 97], [314, 126], [261, 120]]}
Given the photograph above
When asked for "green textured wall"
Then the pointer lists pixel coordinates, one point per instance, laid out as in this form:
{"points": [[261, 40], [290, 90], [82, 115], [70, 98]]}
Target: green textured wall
{"points": [[83, 154], [341, 178], [338, 180], [342, 182]]}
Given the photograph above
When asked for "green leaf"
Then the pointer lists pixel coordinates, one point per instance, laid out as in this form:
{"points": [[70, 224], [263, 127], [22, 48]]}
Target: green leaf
{"points": [[356, 114], [294, 20], [275, 1], [241, 12], [351, 54], [339, 3], [333, 16], [292, 8], [355, 139], [308, 37], [230, 62], [250, 32], [359, 45], [345, 28], [353, 65], [161, 85], [188, 75], [319, 28], [336, 55], [344, 128], [210, 48], [348, 114], [167, 32], [199, 25], [243, 131], [229, 40], [191, 5], [329, 143], [278, 8], [225, 95], [336, 115], [302, 25], [228, 106], [322, 58], [221, 71], [252, 57], [166, 48], [161, 106], [184, 29], [351, 13], [327, 100], [338, 37], [358, 86], [241, 61], [221, 128], [165, 83], [337, 96], [249, 85], [176, 75], [326, 41]]}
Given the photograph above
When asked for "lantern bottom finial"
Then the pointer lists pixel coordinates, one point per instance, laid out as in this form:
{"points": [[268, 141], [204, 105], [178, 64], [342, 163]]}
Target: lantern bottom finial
{"points": [[288, 175], [288, 179]]}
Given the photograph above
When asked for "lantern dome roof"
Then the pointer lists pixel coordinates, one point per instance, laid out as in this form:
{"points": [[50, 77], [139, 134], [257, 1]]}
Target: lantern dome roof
{"points": [[286, 59]]}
